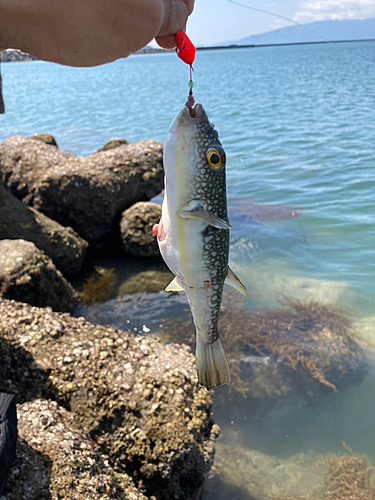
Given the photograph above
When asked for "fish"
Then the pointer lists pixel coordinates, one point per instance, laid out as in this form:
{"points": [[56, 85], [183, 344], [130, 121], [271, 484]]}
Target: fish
{"points": [[193, 232]]}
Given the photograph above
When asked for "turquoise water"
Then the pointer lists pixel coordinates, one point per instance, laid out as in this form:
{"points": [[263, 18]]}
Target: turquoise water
{"points": [[297, 124]]}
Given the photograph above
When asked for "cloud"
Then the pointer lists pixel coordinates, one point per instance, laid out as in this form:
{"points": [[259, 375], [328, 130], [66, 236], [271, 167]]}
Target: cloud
{"points": [[279, 23], [321, 10]]}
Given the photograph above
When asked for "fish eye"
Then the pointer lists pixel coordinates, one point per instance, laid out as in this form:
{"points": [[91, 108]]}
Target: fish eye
{"points": [[214, 157]]}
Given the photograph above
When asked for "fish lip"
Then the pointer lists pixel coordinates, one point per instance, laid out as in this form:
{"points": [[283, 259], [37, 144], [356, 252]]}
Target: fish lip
{"points": [[194, 112]]}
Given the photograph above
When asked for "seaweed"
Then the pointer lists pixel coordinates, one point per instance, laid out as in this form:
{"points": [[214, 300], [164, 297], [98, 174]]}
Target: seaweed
{"points": [[97, 289], [348, 478], [309, 337]]}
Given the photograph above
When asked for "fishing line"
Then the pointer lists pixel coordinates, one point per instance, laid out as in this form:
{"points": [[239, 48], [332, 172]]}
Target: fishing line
{"points": [[280, 17], [331, 42], [293, 214]]}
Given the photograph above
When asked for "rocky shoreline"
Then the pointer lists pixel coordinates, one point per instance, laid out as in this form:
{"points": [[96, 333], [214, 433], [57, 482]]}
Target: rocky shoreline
{"points": [[106, 413], [131, 401], [102, 412], [56, 206]]}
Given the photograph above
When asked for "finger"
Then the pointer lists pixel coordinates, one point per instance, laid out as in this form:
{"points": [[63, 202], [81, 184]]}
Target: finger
{"points": [[175, 17], [166, 42], [190, 5]]}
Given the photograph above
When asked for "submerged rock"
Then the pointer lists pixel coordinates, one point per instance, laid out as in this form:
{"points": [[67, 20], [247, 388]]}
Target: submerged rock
{"points": [[246, 473], [151, 281], [62, 244], [302, 348], [101, 286], [87, 194], [28, 275], [137, 397], [136, 229]]}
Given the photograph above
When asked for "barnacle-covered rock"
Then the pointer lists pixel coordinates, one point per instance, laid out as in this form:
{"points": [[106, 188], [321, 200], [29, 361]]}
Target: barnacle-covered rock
{"points": [[64, 461], [137, 397], [46, 138], [136, 229], [28, 275], [85, 193], [112, 144], [62, 244]]}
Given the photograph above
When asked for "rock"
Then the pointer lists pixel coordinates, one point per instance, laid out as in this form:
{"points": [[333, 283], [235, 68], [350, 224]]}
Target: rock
{"points": [[62, 244], [112, 144], [136, 229], [245, 473], [137, 397], [306, 348], [56, 458], [87, 194], [46, 138], [28, 275], [150, 281]]}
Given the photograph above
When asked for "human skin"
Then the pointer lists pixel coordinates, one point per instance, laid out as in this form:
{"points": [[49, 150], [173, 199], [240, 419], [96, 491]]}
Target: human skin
{"points": [[89, 32]]}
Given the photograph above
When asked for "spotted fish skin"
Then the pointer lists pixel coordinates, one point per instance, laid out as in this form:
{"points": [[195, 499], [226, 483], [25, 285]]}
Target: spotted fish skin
{"points": [[193, 232]]}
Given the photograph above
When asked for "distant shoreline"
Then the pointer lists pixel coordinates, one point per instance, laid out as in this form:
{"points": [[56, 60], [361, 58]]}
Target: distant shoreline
{"points": [[13, 55], [252, 46]]}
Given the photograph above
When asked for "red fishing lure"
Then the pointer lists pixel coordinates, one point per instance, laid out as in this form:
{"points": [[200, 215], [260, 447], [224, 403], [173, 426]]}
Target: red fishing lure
{"points": [[186, 52], [185, 48]]}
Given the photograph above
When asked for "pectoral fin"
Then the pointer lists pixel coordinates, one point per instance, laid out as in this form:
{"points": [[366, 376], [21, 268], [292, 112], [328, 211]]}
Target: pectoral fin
{"points": [[233, 281], [174, 286], [195, 210]]}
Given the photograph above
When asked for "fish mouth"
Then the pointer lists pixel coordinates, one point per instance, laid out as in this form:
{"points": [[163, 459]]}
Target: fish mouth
{"points": [[195, 111]]}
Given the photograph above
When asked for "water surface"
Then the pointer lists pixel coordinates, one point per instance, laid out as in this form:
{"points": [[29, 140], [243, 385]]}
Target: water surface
{"points": [[297, 124]]}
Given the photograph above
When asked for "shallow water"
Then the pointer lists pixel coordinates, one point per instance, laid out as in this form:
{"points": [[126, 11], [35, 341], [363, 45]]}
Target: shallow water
{"points": [[297, 125]]}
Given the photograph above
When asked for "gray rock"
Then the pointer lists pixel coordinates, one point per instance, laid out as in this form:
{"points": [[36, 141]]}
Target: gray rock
{"points": [[62, 244], [137, 397], [46, 138], [112, 144], [28, 275], [56, 458], [87, 194], [136, 229]]}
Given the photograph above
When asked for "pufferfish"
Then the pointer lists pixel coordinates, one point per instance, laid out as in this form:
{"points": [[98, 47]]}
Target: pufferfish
{"points": [[193, 233]]}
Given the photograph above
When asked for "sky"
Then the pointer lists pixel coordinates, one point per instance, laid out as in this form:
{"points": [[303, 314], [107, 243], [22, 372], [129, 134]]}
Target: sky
{"points": [[215, 21]]}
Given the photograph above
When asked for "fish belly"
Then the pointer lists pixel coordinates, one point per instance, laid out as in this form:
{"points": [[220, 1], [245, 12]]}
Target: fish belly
{"points": [[182, 251]]}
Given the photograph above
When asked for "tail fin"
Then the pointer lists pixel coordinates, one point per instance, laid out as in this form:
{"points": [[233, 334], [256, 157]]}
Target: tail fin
{"points": [[212, 365]]}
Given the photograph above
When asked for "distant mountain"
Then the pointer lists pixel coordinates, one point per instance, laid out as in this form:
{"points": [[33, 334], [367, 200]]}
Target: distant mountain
{"points": [[329, 30], [14, 55]]}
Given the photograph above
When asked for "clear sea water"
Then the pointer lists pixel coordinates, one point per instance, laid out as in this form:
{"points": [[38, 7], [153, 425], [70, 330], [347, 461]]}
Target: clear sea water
{"points": [[298, 127]]}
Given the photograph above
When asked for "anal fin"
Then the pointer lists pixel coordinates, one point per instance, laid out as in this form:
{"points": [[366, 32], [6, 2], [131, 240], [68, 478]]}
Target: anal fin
{"points": [[233, 281], [174, 286]]}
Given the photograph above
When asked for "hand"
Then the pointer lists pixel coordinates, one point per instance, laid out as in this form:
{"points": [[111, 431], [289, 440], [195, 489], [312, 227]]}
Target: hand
{"points": [[89, 32]]}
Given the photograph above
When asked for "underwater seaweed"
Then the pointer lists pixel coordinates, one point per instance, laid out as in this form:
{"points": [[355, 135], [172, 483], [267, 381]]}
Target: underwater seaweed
{"points": [[291, 498], [348, 478], [309, 337], [96, 290]]}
